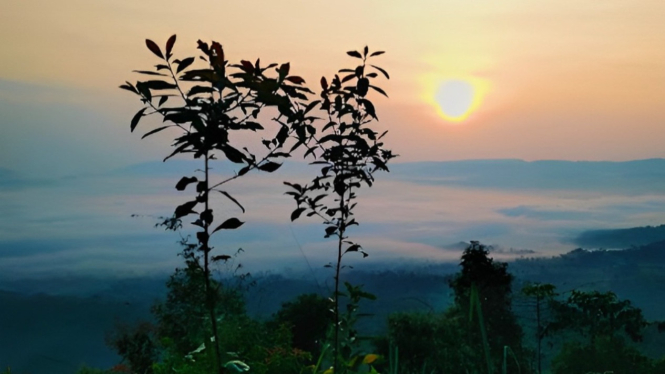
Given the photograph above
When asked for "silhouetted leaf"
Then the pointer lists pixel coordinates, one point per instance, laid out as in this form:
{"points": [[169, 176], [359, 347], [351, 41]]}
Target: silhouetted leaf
{"points": [[253, 125], [369, 108], [155, 131], [311, 105], [318, 198], [184, 181], [207, 216], [246, 66], [324, 83], [154, 48], [284, 69], [184, 64], [144, 90], [219, 54], [332, 137], [233, 154], [296, 213], [185, 209], [269, 166], [330, 230], [180, 149], [360, 70], [129, 87], [354, 54], [353, 248], [162, 100], [380, 164], [229, 224], [296, 146], [203, 46], [382, 71], [146, 72], [181, 117], [159, 85], [362, 86], [243, 171], [136, 119], [169, 45], [200, 89], [379, 90], [382, 135], [365, 51], [282, 135], [203, 236], [220, 258], [377, 53], [296, 80], [232, 199], [348, 78], [295, 186]]}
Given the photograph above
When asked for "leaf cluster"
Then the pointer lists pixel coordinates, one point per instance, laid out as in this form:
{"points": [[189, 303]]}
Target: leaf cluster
{"points": [[346, 148], [208, 104]]}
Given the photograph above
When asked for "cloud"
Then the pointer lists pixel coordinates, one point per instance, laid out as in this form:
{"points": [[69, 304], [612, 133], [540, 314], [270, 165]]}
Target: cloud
{"points": [[547, 215], [84, 223]]}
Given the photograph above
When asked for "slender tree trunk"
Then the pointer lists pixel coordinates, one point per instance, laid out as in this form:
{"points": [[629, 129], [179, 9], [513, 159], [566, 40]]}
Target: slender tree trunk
{"points": [[337, 273], [540, 332], [210, 297]]}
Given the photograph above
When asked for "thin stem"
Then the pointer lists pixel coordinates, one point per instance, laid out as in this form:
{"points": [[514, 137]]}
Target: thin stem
{"points": [[206, 263], [340, 240], [175, 81], [251, 167], [540, 338], [157, 111]]}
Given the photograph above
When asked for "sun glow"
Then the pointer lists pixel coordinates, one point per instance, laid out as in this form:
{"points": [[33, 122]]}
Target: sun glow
{"points": [[455, 98]]}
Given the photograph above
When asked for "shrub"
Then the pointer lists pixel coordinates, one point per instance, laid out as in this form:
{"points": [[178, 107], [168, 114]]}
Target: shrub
{"points": [[603, 354], [429, 342], [308, 318]]}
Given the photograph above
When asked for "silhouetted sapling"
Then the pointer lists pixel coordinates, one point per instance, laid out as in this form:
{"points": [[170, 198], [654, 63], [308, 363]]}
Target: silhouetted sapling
{"points": [[208, 104], [349, 152]]}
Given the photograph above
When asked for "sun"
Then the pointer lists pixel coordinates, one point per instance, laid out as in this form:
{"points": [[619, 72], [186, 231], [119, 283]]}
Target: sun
{"points": [[456, 98]]}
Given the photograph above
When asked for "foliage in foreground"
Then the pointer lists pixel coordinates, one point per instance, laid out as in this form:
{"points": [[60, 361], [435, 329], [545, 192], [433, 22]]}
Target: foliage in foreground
{"points": [[604, 354], [209, 104], [449, 342]]}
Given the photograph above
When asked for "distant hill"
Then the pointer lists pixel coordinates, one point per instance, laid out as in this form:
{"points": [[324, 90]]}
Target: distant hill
{"points": [[621, 238], [631, 177], [637, 274]]}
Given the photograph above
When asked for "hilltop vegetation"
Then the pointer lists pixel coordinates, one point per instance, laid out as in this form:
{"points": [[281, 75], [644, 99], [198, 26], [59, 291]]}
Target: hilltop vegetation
{"points": [[621, 238], [401, 292]]}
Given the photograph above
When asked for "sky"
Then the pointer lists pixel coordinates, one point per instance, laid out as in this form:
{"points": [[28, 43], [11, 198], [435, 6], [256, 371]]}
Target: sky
{"points": [[516, 79]]}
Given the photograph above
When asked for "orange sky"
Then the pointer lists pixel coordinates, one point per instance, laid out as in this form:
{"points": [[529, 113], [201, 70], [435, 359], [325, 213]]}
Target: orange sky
{"points": [[562, 79]]}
